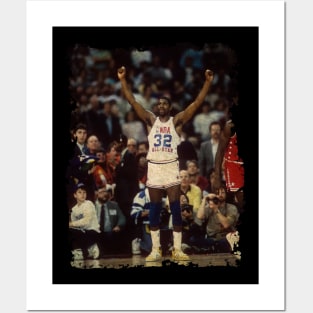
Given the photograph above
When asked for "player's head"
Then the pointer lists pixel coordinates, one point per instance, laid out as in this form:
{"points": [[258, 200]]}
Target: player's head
{"points": [[164, 106]]}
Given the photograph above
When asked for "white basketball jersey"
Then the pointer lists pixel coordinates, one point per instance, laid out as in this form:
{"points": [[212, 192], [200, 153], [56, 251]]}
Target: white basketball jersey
{"points": [[163, 141]]}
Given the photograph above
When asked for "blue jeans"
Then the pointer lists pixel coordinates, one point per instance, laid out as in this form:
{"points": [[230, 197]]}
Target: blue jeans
{"points": [[146, 242]]}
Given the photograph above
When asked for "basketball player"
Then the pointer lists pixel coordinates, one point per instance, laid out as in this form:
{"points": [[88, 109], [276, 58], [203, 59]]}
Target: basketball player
{"points": [[163, 168]]}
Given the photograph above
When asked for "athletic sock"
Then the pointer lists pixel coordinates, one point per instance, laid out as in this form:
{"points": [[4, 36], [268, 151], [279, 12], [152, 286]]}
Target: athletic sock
{"points": [[177, 238]]}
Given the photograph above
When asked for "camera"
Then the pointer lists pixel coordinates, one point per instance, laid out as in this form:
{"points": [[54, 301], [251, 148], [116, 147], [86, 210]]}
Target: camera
{"points": [[216, 200], [186, 207]]}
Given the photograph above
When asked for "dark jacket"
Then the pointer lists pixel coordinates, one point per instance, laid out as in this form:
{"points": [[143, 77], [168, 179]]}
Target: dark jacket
{"points": [[206, 158], [105, 136], [127, 185], [117, 218]]}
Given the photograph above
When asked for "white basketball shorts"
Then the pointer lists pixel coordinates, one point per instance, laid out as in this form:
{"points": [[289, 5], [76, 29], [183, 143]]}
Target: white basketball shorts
{"points": [[163, 175]]}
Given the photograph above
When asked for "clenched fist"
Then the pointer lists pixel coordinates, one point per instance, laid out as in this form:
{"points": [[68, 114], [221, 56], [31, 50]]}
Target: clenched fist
{"points": [[121, 72], [209, 75]]}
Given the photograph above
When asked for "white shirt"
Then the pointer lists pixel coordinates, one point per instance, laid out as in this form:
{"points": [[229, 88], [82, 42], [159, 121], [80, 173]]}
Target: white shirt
{"points": [[214, 149], [84, 216]]}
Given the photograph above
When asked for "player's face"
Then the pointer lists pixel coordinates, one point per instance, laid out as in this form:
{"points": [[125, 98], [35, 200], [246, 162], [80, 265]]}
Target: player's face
{"points": [[164, 107]]}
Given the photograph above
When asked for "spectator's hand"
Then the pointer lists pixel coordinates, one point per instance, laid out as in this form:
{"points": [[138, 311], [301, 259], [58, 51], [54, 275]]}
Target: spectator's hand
{"points": [[210, 196], [144, 213], [187, 215], [91, 170], [229, 124], [121, 72]]}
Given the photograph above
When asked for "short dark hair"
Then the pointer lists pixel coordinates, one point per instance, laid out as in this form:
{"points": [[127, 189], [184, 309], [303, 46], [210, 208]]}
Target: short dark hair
{"points": [[222, 187], [215, 123], [167, 99], [80, 126], [101, 149], [146, 143]]}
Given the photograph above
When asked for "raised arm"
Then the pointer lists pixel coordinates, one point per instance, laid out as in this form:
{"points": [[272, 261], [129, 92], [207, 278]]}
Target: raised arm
{"points": [[143, 114], [187, 114]]}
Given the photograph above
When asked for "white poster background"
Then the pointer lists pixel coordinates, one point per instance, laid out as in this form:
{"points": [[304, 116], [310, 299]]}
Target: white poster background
{"points": [[269, 16]]}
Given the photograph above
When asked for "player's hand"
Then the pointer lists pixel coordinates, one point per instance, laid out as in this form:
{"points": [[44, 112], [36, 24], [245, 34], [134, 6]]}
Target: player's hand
{"points": [[229, 124], [209, 75], [121, 72]]}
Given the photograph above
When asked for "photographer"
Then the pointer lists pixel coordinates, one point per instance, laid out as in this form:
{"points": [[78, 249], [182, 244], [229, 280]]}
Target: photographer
{"points": [[189, 228], [188, 223], [219, 218]]}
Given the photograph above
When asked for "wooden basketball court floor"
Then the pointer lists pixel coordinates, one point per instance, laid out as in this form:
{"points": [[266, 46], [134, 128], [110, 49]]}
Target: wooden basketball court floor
{"points": [[117, 262]]}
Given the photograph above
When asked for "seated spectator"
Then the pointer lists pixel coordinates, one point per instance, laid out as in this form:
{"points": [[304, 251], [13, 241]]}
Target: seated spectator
{"points": [[143, 147], [189, 194], [219, 219], [192, 191], [142, 169], [132, 145], [112, 223], [189, 228], [84, 228], [98, 170], [101, 157], [186, 151], [99, 175], [212, 184], [194, 175], [140, 214], [188, 222], [113, 157]]}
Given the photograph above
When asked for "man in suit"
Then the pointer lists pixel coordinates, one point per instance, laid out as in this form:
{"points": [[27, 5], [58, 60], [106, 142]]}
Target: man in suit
{"points": [[112, 222], [109, 124], [208, 150], [127, 184], [80, 137]]}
